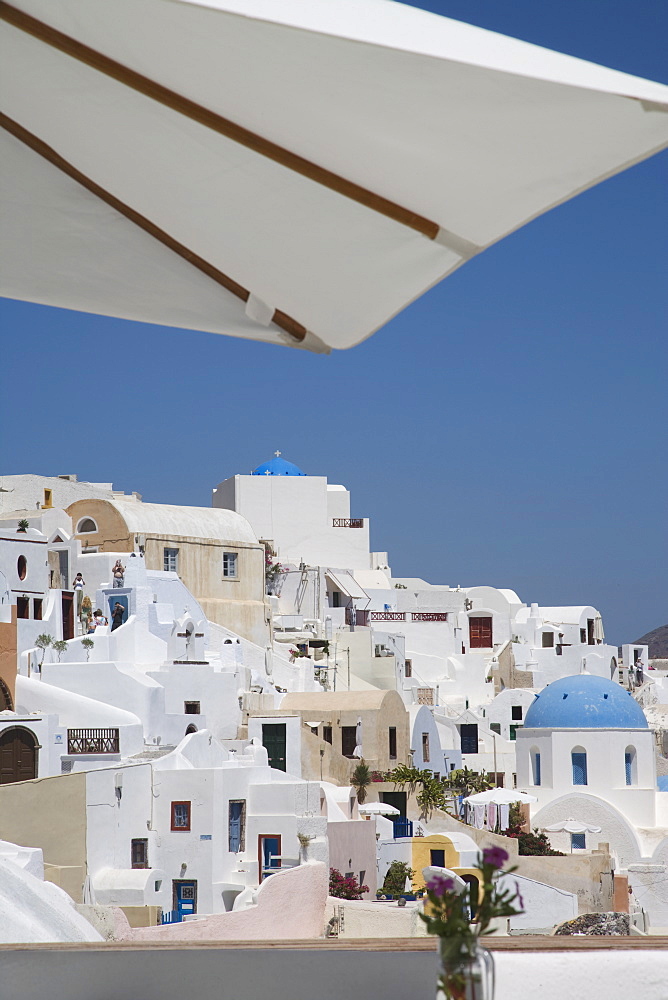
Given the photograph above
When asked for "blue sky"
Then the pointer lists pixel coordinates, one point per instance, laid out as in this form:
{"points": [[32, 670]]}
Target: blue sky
{"points": [[506, 429]]}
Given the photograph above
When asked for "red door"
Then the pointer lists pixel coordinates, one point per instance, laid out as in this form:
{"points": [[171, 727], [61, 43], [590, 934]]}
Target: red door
{"points": [[68, 615], [18, 755], [480, 633]]}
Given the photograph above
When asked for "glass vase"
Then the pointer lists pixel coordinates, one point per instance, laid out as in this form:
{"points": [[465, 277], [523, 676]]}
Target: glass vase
{"points": [[467, 971]]}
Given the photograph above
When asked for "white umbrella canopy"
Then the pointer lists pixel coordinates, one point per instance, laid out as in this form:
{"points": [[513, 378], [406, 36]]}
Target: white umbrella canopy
{"points": [[287, 172], [378, 809], [572, 826], [500, 796]]}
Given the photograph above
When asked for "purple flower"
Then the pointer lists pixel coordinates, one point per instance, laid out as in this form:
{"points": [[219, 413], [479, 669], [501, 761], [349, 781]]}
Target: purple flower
{"points": [[440, 885], [494, 856]]}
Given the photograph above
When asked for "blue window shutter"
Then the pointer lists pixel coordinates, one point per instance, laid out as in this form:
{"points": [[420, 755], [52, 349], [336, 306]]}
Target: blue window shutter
{"points": [[628, 765], [538, 769], [579, 762], [235, 826]]}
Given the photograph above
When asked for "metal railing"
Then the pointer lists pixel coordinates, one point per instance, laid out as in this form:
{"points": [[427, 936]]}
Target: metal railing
{"points": [[403, 827], [429, 616], [387, 616], [92, 741], [348, 522]]}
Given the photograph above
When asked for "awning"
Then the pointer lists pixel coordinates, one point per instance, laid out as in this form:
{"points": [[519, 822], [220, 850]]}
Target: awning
{"points": [[290, 172], [348, 586]]}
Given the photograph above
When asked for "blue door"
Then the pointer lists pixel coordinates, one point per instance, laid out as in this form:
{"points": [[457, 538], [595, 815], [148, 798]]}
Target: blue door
{"points": [[118, 599], [184, 897]]}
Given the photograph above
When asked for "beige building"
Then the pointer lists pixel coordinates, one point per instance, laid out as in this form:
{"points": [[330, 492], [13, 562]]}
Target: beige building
{"points": [[214, 552], [371, 724]]}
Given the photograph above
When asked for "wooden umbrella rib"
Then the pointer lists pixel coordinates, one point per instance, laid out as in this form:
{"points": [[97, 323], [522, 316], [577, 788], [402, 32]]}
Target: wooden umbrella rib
{"points": [[279, 318], [217, 123]]}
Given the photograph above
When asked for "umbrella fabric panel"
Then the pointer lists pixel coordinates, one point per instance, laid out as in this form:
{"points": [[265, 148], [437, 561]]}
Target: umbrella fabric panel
{"points": [[73, 266], [296, 246], [406, 103], [473, 132]]}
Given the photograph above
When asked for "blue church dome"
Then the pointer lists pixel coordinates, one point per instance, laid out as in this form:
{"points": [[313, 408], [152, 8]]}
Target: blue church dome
{"points": [[277, 467], [585, 702]]}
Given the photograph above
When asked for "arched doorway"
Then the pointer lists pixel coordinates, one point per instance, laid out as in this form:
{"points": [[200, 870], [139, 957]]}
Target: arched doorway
{"points": [[6, 703], [18, 755], [191, 729]]}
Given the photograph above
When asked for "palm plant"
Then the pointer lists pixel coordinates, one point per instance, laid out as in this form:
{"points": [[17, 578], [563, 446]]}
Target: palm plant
{"points": [[360, 779]]}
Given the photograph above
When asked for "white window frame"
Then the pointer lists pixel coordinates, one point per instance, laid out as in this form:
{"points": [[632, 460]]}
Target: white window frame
{"points": [[87, 531], [170, 555], [234, 557]]}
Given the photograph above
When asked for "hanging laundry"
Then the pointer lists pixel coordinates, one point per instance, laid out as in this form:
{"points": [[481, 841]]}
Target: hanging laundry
{"points": [[504, 813], [492, 816], [479, 816]]}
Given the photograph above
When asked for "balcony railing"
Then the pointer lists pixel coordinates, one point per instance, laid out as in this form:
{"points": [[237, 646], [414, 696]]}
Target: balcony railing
{"points": [[425, 696], [348, 522], [92, 741], [364, 617]]}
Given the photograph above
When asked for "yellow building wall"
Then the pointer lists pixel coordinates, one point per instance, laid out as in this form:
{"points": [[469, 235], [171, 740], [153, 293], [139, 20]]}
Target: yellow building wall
{"points": [[421, 855]]}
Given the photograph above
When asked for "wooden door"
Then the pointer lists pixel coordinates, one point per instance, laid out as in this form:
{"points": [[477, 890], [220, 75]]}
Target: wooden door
{"points": [[274, 741], [480, 633], [18, 755], [68, 615]]}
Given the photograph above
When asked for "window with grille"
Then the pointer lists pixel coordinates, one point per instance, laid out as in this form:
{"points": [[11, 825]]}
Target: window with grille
{"points": [[180, 815], [230, 565], [630, 766], [139, 853], [579, 765], [578, 842], [170, 562]]}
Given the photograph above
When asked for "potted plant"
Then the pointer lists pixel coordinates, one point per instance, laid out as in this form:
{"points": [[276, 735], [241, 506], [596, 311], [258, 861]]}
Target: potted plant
{"points": [[23, 524], [60, 646], [42, 642]]}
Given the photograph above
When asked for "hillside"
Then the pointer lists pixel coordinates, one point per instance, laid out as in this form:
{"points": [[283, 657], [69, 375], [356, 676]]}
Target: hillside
{"points": [[657, 640]]}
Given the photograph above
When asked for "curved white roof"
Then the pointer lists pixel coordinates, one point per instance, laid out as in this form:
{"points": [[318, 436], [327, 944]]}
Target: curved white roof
{"points": [[195, 522]]}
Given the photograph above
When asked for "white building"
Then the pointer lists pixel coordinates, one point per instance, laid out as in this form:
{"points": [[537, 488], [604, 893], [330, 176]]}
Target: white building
{"points": [[587, 753]]}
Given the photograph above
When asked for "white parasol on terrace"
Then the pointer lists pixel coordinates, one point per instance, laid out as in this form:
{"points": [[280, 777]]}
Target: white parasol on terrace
{"points": [[290, 172], [572, 826], [500, 796], [378, 809]]}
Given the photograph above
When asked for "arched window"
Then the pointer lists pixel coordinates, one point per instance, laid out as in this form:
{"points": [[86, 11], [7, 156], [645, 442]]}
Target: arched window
{"points": [[191, 729], [535, 766], [579, 765], [86, 526], [22, 567], [631, 766]]}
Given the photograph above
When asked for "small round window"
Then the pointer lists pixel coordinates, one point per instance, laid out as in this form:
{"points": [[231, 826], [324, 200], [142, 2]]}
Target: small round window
{"points": [[86, 525], [22, 567]]}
